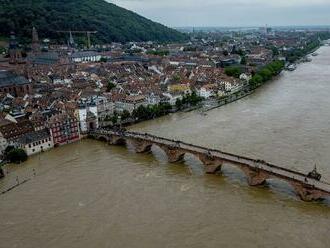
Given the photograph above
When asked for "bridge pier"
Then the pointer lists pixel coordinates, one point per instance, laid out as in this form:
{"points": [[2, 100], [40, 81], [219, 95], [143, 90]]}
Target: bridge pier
{"points": [[255, 177], [309, 193], [141, 146], [212, 165], [173, 154], [117, 140]]}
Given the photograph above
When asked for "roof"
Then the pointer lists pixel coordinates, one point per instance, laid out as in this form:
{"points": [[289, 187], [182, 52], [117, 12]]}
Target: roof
{"points": [[31, 137], [48, 58], [8, 78], [84, 54]]}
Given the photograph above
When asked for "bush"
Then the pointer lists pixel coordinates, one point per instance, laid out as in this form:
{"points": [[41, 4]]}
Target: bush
{"points": [[17, 155]]}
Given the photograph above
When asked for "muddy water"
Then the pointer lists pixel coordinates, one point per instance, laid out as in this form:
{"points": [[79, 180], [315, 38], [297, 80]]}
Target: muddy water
{"points": [[90, 194]]}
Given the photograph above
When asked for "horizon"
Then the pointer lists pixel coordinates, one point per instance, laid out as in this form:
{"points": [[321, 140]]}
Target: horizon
{"points": [[231, 13]]}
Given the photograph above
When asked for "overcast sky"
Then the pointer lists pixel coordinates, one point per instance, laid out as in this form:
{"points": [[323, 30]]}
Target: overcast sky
{"points": [[178, 13]]}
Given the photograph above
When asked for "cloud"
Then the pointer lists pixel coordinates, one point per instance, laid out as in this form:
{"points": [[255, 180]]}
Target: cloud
{"points": [[231, 12]]}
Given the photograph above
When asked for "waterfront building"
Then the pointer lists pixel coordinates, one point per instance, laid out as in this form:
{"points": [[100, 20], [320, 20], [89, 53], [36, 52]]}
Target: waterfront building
{"points": [[64, 129], [208, 90], [35, 142], [88, 117], [130, 103]]}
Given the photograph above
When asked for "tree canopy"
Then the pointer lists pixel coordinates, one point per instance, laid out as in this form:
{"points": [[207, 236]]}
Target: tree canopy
{"points": [[113, 23], [266, 73]]}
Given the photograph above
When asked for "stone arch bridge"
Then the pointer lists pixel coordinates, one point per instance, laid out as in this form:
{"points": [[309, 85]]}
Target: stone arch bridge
{"points": [[256, 171]]}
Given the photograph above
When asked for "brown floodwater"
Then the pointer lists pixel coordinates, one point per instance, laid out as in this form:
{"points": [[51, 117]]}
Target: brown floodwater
{"points": [[90, 194]]}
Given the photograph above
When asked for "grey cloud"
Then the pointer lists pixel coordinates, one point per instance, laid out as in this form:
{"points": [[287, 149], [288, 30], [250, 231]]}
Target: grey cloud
{"points": [[232, 12]]}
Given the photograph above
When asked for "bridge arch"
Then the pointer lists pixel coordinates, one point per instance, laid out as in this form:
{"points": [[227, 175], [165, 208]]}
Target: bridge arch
{"points": [[102, 138], [174, 154], [211, 164], [117, 140]]}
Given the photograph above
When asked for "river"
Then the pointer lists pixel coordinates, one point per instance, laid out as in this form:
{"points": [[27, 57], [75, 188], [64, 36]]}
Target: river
{"points": [[90, 194]]}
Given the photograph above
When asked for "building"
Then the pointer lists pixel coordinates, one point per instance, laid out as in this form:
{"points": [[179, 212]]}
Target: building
{"points": [[88, 56], [35, 142], [208, 90], [88, 117], [14, 84], [130, 103], [64, 129], [11, 131], [15, 54]]}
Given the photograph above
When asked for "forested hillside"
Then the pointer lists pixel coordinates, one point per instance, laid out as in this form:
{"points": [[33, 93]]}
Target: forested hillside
{"points": [[113, 23]]}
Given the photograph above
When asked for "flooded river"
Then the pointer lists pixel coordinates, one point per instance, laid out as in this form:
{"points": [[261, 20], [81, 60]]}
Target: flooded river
{"points": [[90, 194]]}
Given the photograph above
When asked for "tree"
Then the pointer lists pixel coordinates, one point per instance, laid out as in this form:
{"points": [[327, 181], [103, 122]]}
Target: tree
{"points": [[266, 73], [110, 86], [17, 155], [275, 51], [104, 59], [178, 104], [233, 71], [125, 115], [243, 60], [159, 52]]}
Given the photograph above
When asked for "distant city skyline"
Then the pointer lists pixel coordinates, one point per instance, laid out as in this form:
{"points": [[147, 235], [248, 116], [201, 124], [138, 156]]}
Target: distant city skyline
{"points": [[231, 13]]}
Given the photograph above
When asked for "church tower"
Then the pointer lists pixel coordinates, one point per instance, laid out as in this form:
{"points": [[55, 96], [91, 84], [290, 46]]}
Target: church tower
{"points": [[15, 54], [35, 41]]}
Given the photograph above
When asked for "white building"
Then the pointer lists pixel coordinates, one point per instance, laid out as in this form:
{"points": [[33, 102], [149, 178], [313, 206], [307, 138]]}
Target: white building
{"points": [[35, 142], [172, 98], [88, 56], [130, 103], [207, 90], [85, 113]]}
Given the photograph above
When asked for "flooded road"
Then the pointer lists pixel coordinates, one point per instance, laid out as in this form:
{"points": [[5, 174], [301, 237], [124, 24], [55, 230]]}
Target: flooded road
{"points": [[90, 194]]}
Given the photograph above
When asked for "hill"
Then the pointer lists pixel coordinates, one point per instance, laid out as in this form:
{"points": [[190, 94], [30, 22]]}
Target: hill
{"points": [[113, 23]]}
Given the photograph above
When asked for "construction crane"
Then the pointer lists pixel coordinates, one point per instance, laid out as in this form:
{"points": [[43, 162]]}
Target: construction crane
{"points": [[88, 33]]}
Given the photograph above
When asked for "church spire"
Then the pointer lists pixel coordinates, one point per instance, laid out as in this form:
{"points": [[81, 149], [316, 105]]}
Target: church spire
{"points": [[35, 41]]}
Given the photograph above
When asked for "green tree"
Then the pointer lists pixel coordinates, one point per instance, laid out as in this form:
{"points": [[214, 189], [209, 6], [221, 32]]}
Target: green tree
{"points": [[178, 104], [110, 86], [233, 71], [243, 60], [103, 59], [17, 155], [125, 115]]}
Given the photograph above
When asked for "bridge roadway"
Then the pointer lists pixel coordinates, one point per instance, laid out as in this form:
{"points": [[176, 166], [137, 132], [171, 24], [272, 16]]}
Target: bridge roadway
{"points": [[255, 165]]}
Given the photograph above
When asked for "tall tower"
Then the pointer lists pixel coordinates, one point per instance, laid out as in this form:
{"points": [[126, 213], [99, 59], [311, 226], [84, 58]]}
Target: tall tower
{"points": [[14, 51], [71, 41], [35, 41]]}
